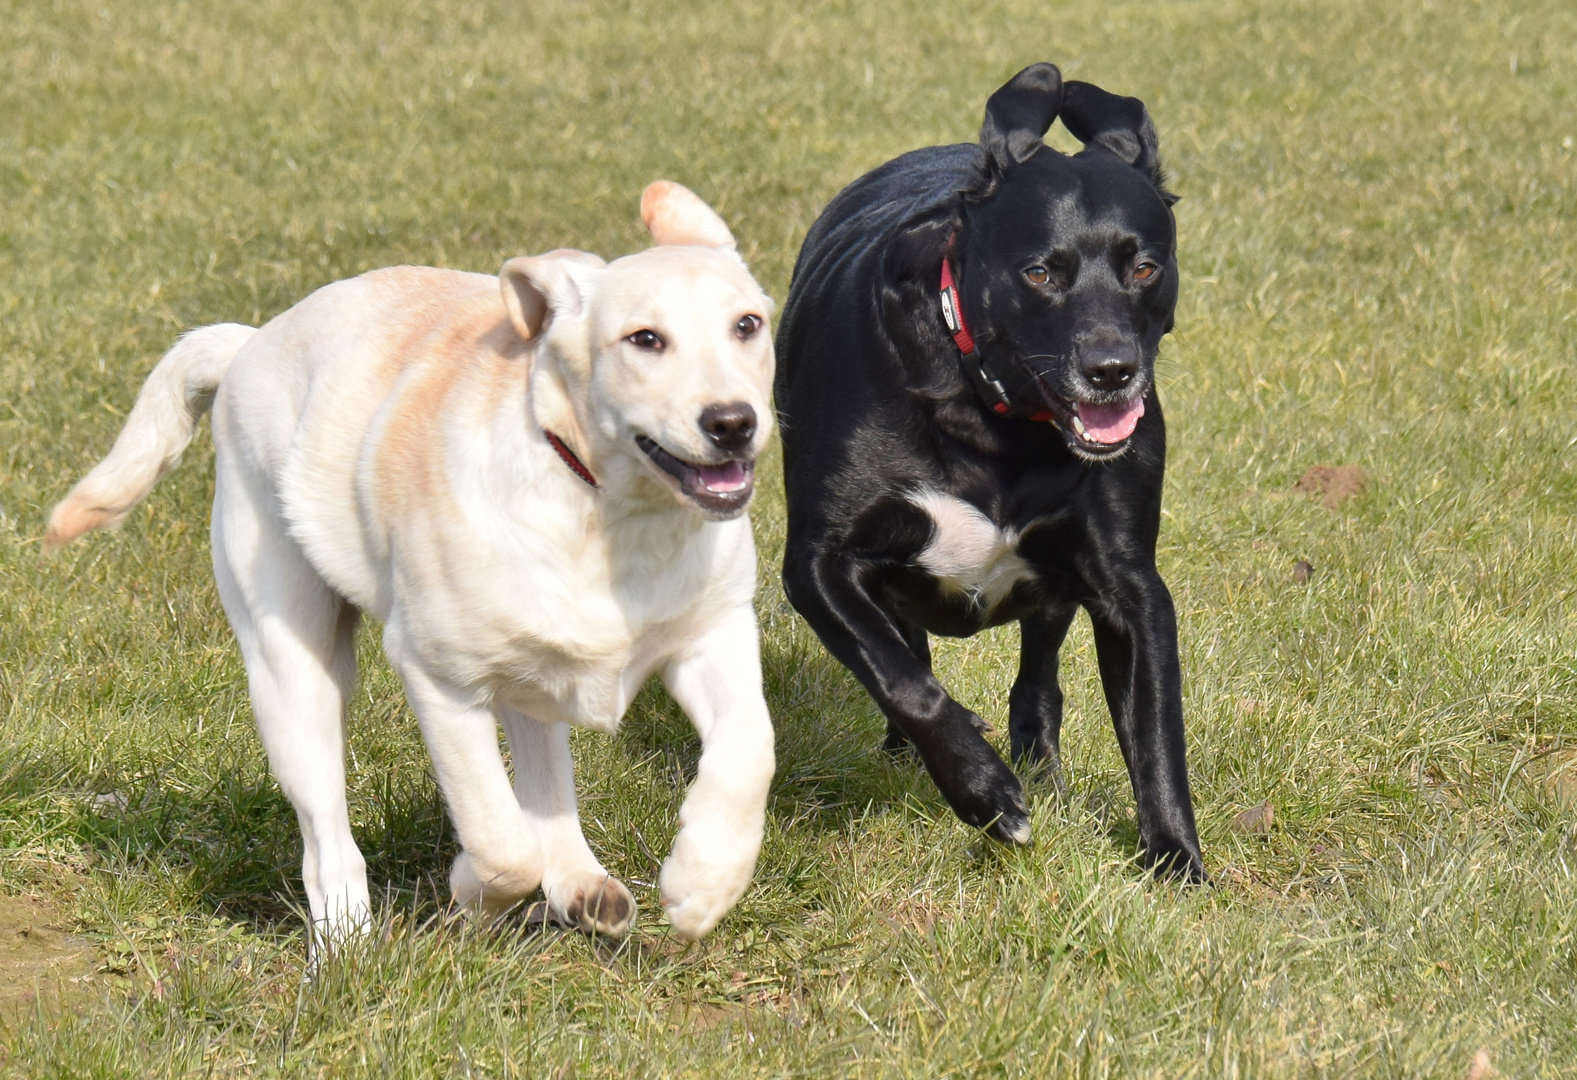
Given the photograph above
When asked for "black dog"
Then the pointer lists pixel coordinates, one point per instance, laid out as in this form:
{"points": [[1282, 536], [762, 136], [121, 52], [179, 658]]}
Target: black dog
{"points": [[971, 435]]}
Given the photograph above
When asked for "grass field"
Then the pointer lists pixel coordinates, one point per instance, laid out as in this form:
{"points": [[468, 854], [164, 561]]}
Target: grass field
{"points": [[1378, 254]]}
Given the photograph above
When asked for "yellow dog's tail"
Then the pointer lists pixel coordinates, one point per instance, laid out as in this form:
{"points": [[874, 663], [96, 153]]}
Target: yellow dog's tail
{"points": [[175, 397]]}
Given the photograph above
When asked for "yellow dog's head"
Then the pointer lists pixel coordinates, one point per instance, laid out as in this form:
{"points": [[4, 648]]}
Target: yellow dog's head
{"points": [[657, 366]]}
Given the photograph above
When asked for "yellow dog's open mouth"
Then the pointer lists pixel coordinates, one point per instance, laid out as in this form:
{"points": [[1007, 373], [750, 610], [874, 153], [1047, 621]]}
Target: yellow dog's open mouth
{"points": [[721, 489]]}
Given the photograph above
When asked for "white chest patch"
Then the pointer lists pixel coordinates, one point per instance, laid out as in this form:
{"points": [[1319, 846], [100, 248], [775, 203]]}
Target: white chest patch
{"points": [[968, 553]]}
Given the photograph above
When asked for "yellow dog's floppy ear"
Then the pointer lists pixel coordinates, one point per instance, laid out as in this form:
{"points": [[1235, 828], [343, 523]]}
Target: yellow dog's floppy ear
{"points": [[538, 287], [676, 215]]}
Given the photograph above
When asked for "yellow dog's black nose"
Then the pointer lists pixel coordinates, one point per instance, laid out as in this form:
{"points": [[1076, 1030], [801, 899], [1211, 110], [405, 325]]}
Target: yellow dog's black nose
{"points": [[731, 426]]}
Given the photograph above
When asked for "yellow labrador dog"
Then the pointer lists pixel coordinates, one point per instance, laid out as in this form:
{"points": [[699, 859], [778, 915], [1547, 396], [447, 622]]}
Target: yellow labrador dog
{"points": [[538, 483]]}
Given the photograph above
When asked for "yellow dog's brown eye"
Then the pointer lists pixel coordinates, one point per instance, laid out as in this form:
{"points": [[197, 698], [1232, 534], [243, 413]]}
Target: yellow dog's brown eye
{"points": [[1145, 271], [1038, 274], [649, 340], [746, 327]]}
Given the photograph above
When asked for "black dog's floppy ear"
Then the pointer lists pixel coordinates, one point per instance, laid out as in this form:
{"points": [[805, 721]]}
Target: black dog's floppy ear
{"points": [[1118, 124], [1018, 115]]}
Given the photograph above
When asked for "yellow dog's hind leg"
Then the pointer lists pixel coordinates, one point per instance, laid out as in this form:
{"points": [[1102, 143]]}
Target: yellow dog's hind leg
{"points": [[297, 639]]}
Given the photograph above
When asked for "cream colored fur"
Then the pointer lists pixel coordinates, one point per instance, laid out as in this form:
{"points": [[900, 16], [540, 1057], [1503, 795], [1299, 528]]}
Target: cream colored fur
{"points": [[381, 448], [967, 552]]}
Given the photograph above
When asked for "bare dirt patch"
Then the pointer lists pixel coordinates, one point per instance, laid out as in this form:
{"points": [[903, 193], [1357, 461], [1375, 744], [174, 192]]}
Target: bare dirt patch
{"points": [[38, 955], [1558, 778], [1332, 484]]}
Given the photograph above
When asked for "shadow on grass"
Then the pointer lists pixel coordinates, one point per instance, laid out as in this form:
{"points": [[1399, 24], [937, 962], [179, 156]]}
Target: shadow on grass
{"points": [[222, 830], [832, 769], [210, 820]]}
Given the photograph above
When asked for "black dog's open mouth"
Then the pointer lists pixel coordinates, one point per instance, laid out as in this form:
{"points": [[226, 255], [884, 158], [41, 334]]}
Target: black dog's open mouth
{"points": [[722, 489], [1097, 429]]}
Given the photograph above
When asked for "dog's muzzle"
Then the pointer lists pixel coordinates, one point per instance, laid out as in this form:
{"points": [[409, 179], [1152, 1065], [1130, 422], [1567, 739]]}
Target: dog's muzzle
{"points": [[1093, 428], [721, 490]]}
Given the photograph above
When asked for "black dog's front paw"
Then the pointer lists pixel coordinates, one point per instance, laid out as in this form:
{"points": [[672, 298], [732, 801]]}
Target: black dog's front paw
{"points": [[1012, 827], [982, 791]]}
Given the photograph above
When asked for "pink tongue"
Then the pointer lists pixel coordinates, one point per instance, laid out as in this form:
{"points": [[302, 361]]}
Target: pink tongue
{"points": [[730, 476], [1110, 423]]}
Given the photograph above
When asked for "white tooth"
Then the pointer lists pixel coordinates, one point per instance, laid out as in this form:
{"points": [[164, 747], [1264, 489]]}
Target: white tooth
{"points": [[1078, 425]]}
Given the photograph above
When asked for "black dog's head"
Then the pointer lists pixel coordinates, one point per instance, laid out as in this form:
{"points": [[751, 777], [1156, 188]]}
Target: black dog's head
{"points": [[1067, 264]]}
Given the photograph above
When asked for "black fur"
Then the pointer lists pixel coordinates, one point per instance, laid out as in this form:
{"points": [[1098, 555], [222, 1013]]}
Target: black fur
{"points": [[876, 405]]}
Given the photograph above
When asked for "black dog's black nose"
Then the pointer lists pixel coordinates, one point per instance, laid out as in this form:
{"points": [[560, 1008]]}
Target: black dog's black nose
{"points": [[730, 426], [1111, 368]]}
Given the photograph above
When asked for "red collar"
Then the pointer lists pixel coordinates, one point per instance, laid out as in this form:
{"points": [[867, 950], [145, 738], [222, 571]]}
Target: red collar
{"points": [[568, 455], [987, 385], [953, 309]]}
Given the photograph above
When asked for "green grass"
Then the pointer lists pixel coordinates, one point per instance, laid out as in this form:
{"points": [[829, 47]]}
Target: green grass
{"points": [[1378, 259]]}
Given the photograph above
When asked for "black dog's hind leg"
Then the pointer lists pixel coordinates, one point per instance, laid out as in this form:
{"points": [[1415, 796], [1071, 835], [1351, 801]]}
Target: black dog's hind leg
{"points": [[919, 643], [831, 591], [1136, 644], [1035, 705]]}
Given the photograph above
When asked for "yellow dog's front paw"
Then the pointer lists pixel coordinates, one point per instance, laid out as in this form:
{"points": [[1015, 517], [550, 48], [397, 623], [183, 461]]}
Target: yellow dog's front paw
{"points": [[697, 893], [596, 904]]}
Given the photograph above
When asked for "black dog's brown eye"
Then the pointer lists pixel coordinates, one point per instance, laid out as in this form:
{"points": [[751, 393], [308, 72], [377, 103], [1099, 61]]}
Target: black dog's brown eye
{"points": [[1145, 271], [649, 340], [1038, 274], [746, 327]]}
